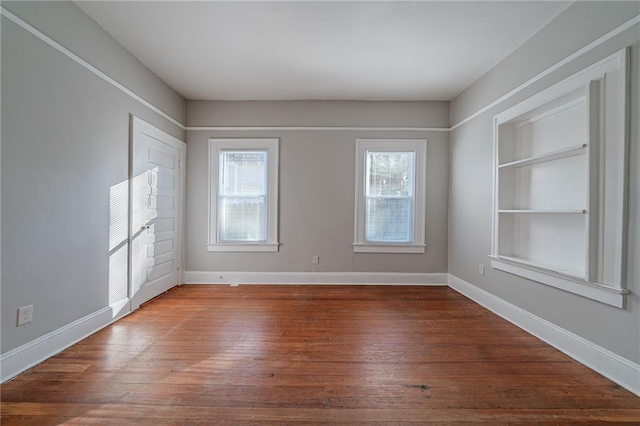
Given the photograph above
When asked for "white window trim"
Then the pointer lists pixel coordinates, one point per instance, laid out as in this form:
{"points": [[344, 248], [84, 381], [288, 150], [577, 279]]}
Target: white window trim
{"points": [[215, 146], [419, 147]]}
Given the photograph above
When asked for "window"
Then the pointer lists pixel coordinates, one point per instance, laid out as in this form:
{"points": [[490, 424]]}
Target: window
{"points": [[390, 196], [244, 194]]}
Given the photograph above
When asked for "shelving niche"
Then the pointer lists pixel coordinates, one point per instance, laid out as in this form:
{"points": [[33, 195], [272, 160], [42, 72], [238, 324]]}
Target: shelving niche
{"points": [[559, 191]]}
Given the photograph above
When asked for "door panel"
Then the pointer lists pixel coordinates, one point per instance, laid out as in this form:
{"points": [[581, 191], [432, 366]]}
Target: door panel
{"points": [[155, 212]]}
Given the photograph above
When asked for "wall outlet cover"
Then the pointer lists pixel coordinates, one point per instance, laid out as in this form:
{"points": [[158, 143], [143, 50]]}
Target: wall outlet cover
{"points": [[25, 315]]}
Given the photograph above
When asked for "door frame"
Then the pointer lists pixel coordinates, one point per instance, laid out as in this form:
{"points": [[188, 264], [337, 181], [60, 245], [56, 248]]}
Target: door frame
{"points": [[139, 125]]}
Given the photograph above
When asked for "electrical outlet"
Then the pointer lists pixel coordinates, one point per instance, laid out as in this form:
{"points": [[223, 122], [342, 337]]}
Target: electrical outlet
{"points": [[481, 269], [315, 260], [25, 315]]}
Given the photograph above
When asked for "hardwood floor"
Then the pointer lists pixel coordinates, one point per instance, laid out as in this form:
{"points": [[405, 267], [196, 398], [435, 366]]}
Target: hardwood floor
{"points": [[313, 354]]}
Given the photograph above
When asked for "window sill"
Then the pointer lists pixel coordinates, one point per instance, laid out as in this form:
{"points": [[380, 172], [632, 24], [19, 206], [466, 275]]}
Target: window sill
{"points": [[607, 294], [264, 247], [389, 248]]}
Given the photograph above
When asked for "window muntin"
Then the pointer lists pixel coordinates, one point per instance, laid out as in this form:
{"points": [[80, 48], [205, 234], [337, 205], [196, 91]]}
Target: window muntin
{"points": [[242, 196], [389, 194]]}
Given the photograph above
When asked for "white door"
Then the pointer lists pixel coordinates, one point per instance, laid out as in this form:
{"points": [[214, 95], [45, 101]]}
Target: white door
{"points": [[156, 206]]}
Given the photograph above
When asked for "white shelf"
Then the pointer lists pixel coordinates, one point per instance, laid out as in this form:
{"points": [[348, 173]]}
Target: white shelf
{"points": [[542, 158], [544, 211], [611, 295], [543, 225], [555, 268], [549, 112]]}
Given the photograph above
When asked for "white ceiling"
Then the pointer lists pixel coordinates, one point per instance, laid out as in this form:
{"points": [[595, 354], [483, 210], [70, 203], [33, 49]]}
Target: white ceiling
{"points": [[321, 50]]}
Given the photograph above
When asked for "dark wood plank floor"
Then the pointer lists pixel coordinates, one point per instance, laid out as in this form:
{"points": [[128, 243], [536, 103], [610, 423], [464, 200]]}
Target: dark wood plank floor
{"points": [[313, 354]]}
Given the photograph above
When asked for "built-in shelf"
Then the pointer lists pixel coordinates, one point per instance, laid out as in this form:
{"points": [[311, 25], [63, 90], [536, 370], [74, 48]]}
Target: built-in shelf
{"points": [[544, 211], [541, 229], [560, 180], [555, 268], [549, 112], [555, 155]]}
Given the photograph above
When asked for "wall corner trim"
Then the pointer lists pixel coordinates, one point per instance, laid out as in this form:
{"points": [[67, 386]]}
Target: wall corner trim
{"points": [[28, 27], [624, 372], [353, 278], [318, 128], [34, 352]]}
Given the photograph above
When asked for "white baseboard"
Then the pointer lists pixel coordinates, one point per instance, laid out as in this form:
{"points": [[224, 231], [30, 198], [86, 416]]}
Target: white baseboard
{"points": [[618, 369], [26, 356], [614, 367], [387, 278]]}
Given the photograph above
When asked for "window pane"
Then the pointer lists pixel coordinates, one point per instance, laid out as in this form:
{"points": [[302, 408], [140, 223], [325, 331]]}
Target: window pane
{"points": [[243, 219], [389, 196], [243, 173], [389, 219], [242, 199], [390, 173]]}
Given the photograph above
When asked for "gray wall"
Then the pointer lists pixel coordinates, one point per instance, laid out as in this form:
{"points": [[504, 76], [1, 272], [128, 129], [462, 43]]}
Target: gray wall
{"points": [[67, 24], [65, 145], [471, 175], [317, 183]]}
